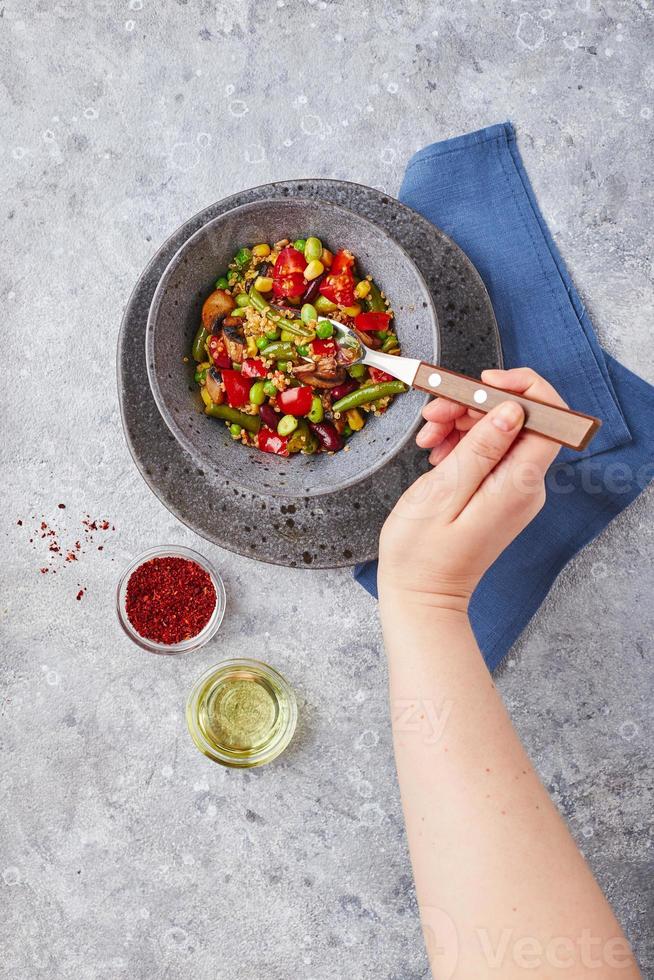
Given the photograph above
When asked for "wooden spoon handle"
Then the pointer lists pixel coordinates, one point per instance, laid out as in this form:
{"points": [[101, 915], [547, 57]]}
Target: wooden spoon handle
{"points": [[572, 429]]}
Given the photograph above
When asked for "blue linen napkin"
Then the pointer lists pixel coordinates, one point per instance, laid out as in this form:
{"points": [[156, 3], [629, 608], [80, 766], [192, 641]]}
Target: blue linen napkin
{"points": [[475, 188]]}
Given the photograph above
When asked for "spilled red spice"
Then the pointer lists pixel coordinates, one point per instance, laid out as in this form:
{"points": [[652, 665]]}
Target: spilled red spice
{"points": [[169, 599], [80, 594]]}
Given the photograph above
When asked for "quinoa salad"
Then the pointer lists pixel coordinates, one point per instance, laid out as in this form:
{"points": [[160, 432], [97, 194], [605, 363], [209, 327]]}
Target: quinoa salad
{"points": [[268, 365]]}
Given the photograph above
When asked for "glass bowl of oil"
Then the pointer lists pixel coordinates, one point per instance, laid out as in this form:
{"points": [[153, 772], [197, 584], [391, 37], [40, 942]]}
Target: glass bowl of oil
{"points": [[241, 713]]}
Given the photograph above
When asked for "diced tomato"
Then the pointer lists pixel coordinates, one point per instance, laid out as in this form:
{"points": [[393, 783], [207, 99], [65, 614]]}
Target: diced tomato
{"points": [[323, 348], [270, 442], [288, 277], [289, 261], [379, 376], [343, 262], [339, 288], [296, 401], [372, 321], [253, 368], [289, 287], [237, 388]]}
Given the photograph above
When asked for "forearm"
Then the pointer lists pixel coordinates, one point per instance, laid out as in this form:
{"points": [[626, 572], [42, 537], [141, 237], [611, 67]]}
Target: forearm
{"points": [[488, 847]]}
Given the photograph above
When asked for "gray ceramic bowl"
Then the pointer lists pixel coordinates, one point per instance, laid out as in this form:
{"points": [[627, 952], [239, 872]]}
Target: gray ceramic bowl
{"points": [[175, 315]]}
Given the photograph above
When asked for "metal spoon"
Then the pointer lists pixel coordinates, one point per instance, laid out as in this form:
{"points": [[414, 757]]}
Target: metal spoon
{"points": [[562, 425]]}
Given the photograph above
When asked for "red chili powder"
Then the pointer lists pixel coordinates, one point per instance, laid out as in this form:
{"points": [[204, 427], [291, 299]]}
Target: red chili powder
{"points": [[169, 599]]}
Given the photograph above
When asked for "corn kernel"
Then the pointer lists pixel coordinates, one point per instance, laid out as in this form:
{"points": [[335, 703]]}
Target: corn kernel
{"points": [[352, 310], [362, 289], [261, 250], [206, 397], [327, 257], [251, 346], [263, 283], [313, 270], [354, 419]]}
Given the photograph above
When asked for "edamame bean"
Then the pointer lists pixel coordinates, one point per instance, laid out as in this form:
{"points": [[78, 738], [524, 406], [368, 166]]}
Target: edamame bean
{"points": [[270, 388], [243, 300], [324, 330], [357, 371], [299, 244], [309, 313], [257, 393], [286, 425], [312, 249], [317, 412], [324, 305]]}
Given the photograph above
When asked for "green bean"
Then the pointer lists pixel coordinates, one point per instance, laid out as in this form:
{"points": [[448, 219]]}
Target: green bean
{"points": [[243, 257], [317, 411], [293, 326], [312, 249], [303, 439], [374, 300], [286, 425], [238, 311], [251, 423], [371, 393], [198, 351], [257, 393], [390, 343], [278, 348]]}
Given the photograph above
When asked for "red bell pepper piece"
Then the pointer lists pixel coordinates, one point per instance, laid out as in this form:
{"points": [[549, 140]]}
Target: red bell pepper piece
{"points": [[323, 348], [343, 262], [271, 442], [369, 322], [216, 348], [253, 368], [296, 401], [237, 388], [339, 289], [379, 376]]}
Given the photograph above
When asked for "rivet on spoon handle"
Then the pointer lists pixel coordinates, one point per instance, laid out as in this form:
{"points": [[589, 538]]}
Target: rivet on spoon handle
{"points": [[563, 425]]}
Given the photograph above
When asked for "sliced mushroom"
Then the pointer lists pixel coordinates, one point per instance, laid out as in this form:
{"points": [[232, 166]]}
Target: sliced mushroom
{"points": [[234, 340], [216, 306], [214, 387]]}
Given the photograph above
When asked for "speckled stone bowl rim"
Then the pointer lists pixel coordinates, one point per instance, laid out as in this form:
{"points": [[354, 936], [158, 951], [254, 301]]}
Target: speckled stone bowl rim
{"points": [[160, 292]]}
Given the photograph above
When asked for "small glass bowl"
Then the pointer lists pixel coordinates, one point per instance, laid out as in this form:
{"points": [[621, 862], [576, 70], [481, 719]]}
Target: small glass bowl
{"points": [[193, 642], [208, 691]]}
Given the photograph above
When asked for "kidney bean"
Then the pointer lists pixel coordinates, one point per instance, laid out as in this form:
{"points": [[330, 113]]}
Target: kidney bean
{"points": [[269, 416], [312, 290], [327, 435], [340, 391]]}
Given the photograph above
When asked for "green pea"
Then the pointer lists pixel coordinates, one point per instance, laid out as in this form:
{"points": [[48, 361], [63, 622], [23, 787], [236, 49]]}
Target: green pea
{"points": [[312, 249], [299, 244], [347, 431], [316, 412], [303, 350], [282, 366], [324, 305], [222, 283], [270, 388], [243, 300], [262, 342], [286, 425], [243, 257], [309, 313], [324, 330], [357, 371], [235, 429], [257, 393], [272, 334]]}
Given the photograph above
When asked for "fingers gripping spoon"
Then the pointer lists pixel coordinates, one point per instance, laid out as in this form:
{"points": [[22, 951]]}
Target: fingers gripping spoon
{"points": [[562, 425]]}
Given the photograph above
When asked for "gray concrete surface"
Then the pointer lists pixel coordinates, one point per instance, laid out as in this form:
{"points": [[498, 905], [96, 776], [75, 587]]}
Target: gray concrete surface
{"points": [[123, 852]]}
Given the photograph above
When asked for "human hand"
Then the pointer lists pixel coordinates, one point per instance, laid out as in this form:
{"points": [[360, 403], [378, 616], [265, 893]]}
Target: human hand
{"points": [[487, 485]]}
